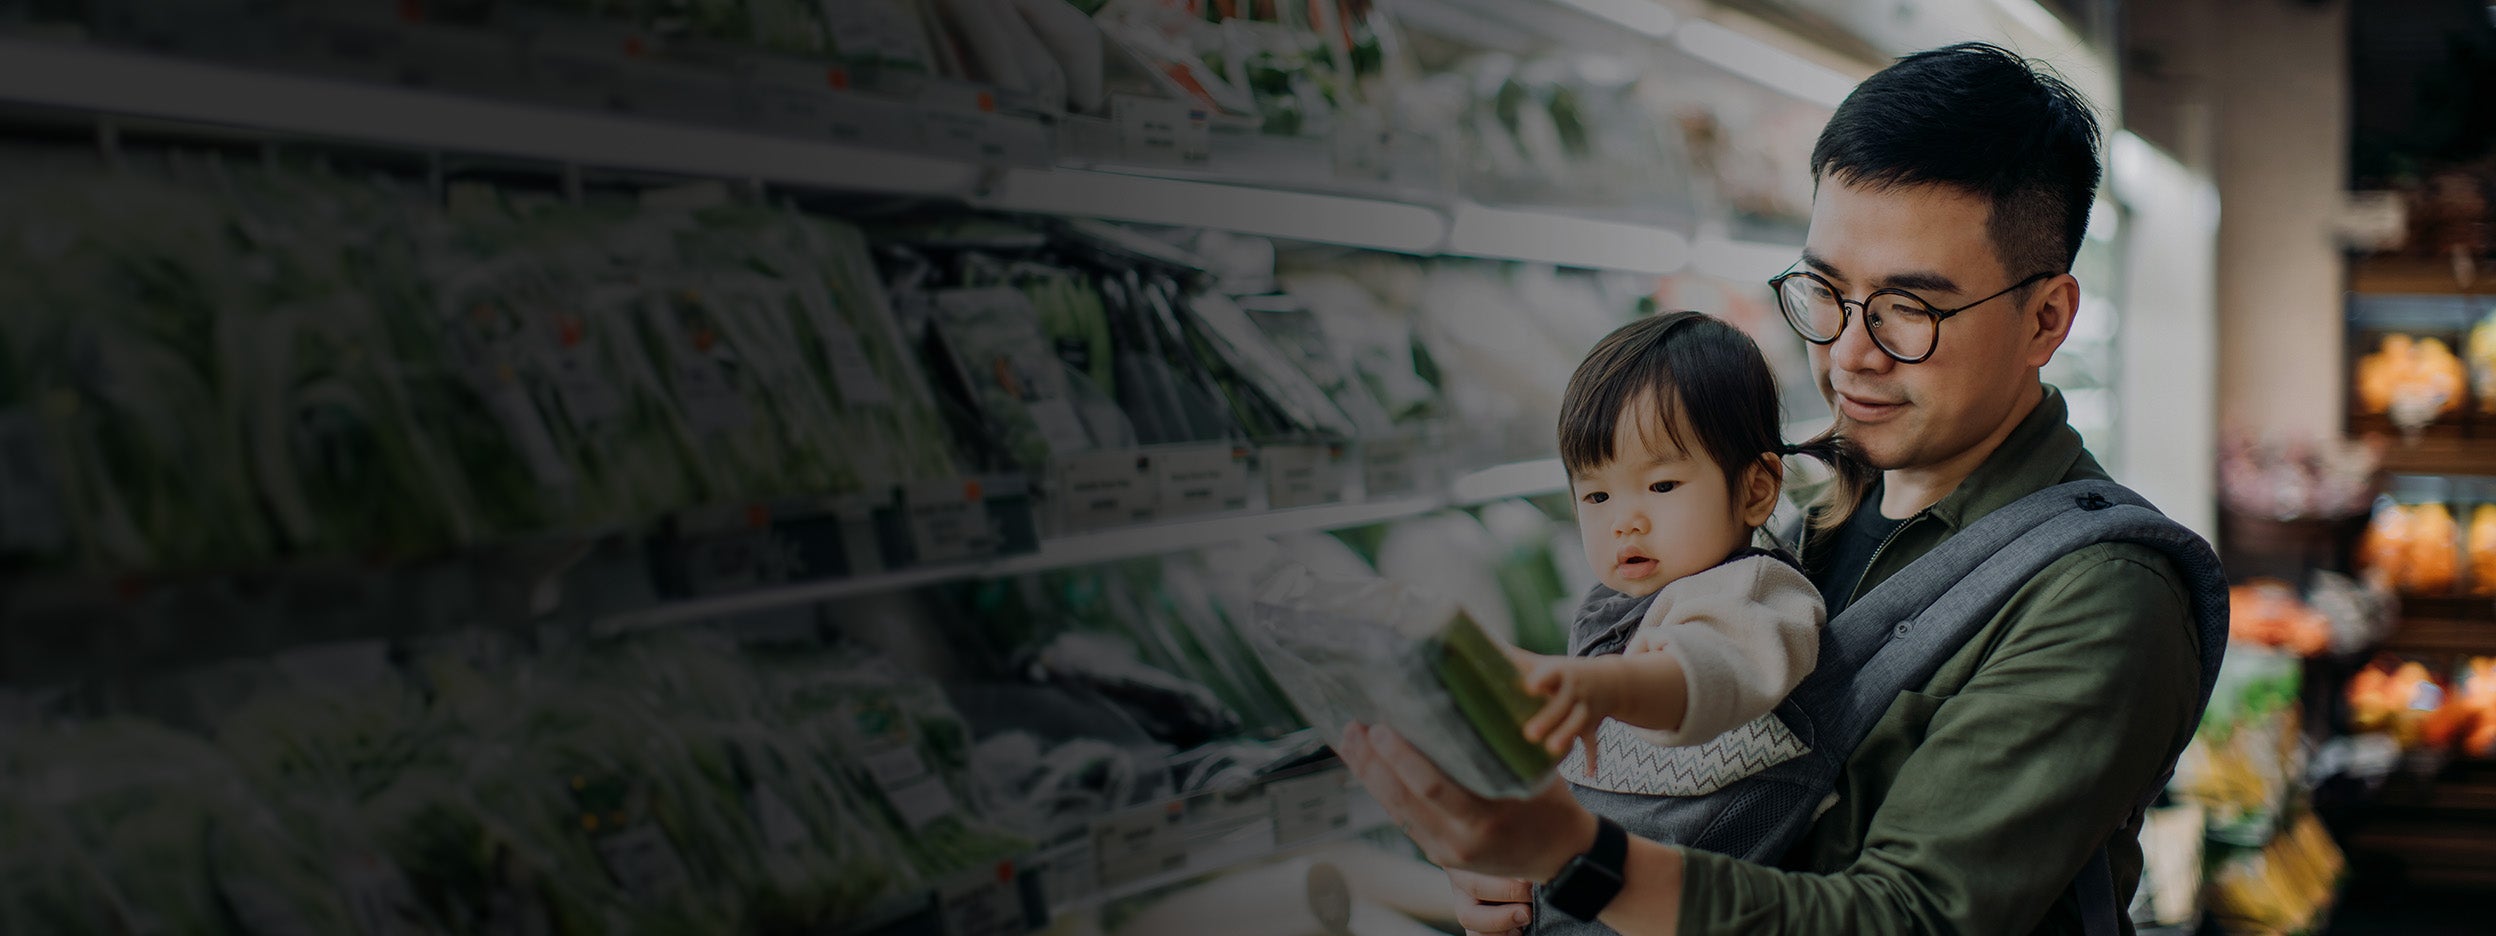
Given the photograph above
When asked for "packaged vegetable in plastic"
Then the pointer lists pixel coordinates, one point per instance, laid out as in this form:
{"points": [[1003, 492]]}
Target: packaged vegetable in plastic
{"points": [[898, 742], [1375, 652], [1005, 362]]}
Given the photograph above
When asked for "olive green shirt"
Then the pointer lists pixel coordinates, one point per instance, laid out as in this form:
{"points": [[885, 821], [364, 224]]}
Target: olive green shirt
{"points": [[1974, 801]]}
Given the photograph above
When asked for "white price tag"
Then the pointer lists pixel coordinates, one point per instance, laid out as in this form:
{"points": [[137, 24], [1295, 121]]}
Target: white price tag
{"points": [[853, 373], [886, 737], [1303, 475], [1201, 479], [865, 29], [30, 508], [1309, 807], [1071, 873], [1105, 489], [896, 767], [949, 521], [964, 134], [1389, 467], [1140, 843], [987, 904], [589, 400], [922, 802], [1163, 132]]}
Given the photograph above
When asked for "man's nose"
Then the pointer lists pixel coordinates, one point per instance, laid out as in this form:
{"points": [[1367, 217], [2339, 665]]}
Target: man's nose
{"points": [[1855, 350]]}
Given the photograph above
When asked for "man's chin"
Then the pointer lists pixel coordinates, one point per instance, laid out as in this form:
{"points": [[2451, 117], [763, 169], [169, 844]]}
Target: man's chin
{"points": [[1882, 447]]}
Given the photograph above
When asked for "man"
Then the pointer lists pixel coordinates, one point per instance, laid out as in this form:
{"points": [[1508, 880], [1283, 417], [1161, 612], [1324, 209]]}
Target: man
{"points": [[1953, 189]]}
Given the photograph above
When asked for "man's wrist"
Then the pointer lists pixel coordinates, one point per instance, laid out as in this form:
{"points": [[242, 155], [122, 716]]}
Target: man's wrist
{"points": [[1576, 838]]}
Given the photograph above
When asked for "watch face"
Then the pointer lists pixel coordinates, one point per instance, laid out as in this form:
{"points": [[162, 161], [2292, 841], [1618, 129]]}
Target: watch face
{"points": [[1583, 888]]}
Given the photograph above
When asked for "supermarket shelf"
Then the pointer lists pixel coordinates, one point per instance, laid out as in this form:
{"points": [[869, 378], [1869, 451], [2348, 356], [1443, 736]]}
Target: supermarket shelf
{"points": [[110, 81], [1515, 479], [1365, 815], [1155, 539], [2441, 455], [117, 82], [1376, 223], [1518, 479], [2441, 626], [2376, 275]]}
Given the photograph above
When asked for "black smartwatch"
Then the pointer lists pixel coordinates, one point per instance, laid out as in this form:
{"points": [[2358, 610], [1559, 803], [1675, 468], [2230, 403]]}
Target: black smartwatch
{"points": [[1589, 881]]}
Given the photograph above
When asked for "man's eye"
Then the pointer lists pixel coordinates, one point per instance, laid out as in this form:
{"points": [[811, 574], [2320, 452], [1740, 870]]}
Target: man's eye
{"points": [[1596, 497], [1664, 487]]}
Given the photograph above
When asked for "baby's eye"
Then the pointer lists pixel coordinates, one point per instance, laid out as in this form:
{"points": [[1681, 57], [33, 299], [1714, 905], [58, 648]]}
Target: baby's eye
{"points": [[1664, 487], [1596, 497]]}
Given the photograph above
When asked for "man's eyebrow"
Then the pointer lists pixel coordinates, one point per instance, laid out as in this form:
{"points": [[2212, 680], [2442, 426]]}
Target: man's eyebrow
{"points": [[1920, 281], [1917, 280]]}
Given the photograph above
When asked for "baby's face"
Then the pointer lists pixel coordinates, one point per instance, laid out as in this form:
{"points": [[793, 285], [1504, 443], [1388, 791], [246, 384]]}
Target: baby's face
{"points": [[1655, 513]]}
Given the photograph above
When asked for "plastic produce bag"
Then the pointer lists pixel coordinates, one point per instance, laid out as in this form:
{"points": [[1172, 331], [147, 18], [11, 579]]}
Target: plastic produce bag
{"points": [[1375, 652]]}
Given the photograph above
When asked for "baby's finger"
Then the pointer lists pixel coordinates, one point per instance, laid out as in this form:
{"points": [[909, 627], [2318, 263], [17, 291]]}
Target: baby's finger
{"points": [[1544, 679], [1540, 724], [1567, 730]]}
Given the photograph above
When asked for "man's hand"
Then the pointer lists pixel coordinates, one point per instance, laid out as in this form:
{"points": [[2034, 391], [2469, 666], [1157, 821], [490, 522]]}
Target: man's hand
{"points": [[1529, 839], [1492, 906]]}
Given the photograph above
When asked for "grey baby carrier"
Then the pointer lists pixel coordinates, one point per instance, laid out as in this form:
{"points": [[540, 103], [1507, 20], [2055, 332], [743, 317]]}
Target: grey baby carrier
{"points": [[1892, 639]]}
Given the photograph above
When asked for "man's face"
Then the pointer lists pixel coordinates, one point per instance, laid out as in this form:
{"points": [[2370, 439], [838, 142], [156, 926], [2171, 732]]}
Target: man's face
{"points": [[1930, 241]]}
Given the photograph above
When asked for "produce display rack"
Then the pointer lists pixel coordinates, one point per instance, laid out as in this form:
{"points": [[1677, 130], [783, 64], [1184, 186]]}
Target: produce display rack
{"points": [[1014, 164], [1518, 479], [2433, 821], [2441, 455], [810, 133]]}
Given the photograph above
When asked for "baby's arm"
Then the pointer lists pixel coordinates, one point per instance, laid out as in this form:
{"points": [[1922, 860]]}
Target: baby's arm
{"points": [[1645, 690], [1743, 637]]}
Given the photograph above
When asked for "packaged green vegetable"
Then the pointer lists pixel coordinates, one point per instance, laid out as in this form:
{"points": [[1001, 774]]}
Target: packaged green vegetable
{"points": [[1372, 651]]}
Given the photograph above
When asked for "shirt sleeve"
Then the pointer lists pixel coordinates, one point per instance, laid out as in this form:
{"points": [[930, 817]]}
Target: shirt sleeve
{"points": [[1745, 634], [2018, 778]]}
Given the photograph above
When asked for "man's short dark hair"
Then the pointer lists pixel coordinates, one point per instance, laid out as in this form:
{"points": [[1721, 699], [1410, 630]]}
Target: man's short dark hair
{"points": [[1976, 118]]}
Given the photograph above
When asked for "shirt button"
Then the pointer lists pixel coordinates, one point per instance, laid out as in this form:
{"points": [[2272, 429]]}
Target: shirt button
{"points": [[1901, 629]]}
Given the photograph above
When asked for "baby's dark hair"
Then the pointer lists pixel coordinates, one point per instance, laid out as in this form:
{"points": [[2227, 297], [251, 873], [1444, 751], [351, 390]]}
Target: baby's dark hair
{"points": [[1716, 377]]}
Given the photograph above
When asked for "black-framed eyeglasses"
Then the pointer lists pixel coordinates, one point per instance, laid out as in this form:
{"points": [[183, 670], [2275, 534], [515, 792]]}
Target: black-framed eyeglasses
{"points": [[1903, 325]]}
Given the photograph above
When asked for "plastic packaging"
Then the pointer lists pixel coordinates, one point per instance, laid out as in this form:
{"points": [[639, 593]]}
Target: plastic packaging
{"points": [[1372, 651]]}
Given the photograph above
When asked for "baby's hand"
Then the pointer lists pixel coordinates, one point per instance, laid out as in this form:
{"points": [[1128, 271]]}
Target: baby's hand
{"points": [[1577, 692]]}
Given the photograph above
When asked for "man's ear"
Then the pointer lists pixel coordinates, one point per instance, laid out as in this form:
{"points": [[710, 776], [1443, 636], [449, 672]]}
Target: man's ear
{"points": [[1761, 483], [2057, 303]]}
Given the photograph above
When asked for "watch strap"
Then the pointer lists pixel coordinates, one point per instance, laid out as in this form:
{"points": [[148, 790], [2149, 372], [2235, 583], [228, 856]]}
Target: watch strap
{"points": [[1589, 882]]}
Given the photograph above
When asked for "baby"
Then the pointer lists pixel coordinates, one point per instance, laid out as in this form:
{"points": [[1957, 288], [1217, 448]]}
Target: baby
{"points": [[1670, 435]]}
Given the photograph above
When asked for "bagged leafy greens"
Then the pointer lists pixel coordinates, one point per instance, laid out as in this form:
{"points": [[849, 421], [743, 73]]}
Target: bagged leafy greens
{"points": [[1372, 651]]}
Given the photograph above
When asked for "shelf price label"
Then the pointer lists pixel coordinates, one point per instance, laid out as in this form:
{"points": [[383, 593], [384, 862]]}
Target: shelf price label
{"points": [[986, 902], [1303, 475], [1106, 489], [1202, 479], [965, 135], [949, 521], [1310, 806], [1140, 843], [1162, 132], [1389, 467]]}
